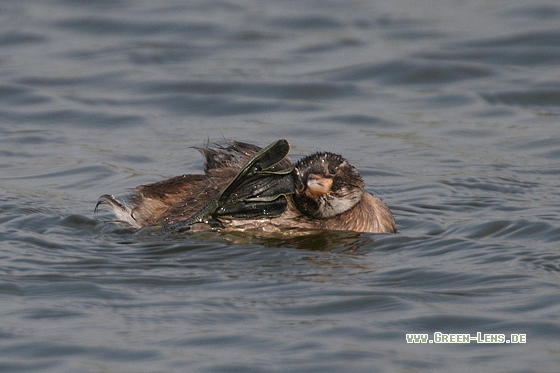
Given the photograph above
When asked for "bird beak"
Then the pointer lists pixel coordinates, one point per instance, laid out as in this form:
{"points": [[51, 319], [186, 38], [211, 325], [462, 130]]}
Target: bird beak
{"points": [[318, 185]]}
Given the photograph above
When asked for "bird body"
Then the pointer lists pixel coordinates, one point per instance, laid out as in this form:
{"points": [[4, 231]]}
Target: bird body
{"points": [[245, 187]]}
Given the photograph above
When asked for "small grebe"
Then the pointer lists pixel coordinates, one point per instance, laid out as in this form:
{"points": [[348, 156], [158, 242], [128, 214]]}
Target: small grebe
{"points": [[245, 187]]}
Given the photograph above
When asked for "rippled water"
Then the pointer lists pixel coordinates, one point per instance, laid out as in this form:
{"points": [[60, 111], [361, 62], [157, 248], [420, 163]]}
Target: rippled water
{"points": [[450, 110]]}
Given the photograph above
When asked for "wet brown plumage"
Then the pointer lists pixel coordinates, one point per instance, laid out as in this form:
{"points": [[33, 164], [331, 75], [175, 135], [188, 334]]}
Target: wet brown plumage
{"points": [[180, 197], [331, 192], [328, 194]]}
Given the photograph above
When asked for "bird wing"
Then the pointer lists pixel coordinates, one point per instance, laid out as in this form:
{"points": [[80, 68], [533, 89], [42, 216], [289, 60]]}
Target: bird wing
{"points": [[259, 189]]}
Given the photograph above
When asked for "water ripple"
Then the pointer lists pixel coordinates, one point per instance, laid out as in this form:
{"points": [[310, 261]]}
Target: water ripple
{"points": [[412, 72], [449, 112]]}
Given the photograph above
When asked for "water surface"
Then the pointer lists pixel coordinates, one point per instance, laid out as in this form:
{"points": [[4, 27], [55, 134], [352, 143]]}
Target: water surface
{"points": [[450, 110]]}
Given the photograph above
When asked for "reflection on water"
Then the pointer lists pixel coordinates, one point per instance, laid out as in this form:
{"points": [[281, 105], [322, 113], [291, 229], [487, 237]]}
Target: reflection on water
{"points": [[449, 110], [335, 241], [313, 240]]}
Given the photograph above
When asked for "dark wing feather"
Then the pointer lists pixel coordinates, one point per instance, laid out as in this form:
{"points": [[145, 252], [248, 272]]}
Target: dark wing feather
{"points": [[259, 189], [259, 194], [235, 155]]}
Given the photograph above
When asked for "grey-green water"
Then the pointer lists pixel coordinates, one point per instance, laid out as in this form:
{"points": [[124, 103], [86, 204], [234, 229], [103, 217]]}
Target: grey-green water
{"points": [[450, 110]]}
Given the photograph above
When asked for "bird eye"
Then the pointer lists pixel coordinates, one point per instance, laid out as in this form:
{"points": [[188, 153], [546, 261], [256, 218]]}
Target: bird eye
{"points": [[332, 170]]}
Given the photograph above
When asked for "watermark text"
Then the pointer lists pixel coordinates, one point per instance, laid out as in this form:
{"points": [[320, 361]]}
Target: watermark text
{"points": [[439, 337]]}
